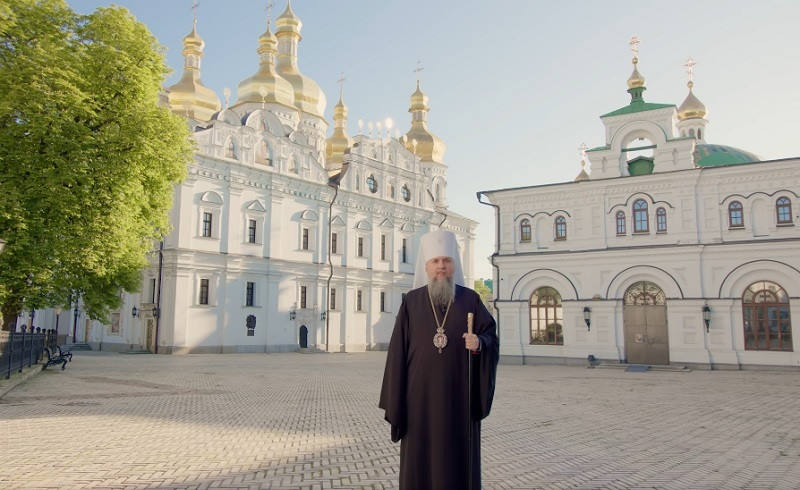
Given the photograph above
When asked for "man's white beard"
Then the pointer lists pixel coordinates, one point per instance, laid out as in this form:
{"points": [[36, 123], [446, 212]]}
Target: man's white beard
{"points": [[442, 291]]}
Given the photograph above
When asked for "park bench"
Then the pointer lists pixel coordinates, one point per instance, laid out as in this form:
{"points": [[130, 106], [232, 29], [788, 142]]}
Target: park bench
{"points": [[67, 355], [53, 358]]}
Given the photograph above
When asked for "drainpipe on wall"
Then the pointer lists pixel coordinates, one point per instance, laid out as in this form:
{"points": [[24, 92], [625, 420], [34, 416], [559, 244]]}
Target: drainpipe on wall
{"points": [[333, 182], [496, 284], [158, 296]]}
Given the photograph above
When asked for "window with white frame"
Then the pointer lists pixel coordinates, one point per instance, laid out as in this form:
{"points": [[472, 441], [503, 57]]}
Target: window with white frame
{"points": [[254, 222], [303, 296], [252, 229], [661, 220], [204, 293], [209, 214], [359, 303], [735, 215], [404, 252], [383, 247], [304, 239], [640, 217], [333, 298], [383, 302], [250, 294], [360, 246], [335, 243]]}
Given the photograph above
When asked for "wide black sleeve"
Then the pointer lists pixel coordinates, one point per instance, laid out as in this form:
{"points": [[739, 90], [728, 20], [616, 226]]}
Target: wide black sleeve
{"points": [[484, 363], [395, 377]]}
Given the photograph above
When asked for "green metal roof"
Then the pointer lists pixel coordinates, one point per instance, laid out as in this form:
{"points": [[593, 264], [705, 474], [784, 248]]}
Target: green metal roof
{"points": [[721, 155], [637, 106]]}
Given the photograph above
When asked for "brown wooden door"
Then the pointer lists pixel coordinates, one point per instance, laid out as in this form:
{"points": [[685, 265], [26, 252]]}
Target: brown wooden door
{"points": [[646, 339]]}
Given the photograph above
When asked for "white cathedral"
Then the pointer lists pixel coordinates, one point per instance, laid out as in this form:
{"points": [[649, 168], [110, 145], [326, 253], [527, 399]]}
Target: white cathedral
{"points": [[283, 239], [672, 251]]}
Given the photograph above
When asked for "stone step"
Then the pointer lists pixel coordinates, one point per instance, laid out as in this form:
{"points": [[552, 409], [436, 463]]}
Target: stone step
{"points": [[75, 347], [644, 367]]}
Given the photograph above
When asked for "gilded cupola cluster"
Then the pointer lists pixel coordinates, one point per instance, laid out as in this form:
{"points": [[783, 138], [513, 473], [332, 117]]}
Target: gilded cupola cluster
{"points": [[419, 139], [339, 141], [308, 97], [189, 96], [266, 85]]}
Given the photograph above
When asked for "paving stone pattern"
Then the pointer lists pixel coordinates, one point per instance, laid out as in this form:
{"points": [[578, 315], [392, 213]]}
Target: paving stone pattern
{"points": [[310, 421]]}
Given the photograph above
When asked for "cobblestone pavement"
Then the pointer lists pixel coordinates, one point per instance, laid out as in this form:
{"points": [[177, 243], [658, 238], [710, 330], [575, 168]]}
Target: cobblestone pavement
{"points": [[300, 421]]}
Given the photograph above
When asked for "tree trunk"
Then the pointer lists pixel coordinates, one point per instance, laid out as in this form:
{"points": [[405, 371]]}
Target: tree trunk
{"points": [[9, 314]]}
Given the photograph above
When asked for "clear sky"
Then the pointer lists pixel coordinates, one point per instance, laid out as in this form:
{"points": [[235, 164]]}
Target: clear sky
{"points": [[515, 86]]}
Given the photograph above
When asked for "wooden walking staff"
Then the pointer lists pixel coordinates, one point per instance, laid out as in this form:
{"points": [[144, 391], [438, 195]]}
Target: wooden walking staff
{"points": [[470, 317]]}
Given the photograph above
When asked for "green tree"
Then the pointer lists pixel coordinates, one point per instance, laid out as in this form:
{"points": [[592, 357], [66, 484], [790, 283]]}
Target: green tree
{"points": [[484, 292], [88, 159]]}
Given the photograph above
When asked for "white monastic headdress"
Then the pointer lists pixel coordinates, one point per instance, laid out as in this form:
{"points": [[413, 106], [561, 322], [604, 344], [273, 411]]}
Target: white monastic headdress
{"points": [[438, 244]]}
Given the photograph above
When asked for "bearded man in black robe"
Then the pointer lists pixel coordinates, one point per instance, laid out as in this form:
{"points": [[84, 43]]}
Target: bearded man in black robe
{"points": [[425, 389]]}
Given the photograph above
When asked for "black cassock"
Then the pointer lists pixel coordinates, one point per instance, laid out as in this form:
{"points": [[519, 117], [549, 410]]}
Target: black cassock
{"points": [[424, 392]]}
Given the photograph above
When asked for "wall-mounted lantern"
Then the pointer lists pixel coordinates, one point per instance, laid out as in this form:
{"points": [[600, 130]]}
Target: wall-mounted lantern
{"points": [[587, 317], [707, 317], [292, 313], [135, 312]]}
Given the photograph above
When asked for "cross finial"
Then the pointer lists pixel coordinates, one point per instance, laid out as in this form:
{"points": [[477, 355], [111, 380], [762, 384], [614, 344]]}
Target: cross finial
{"points": [[341, 81], [583, 149], [418, 69], [195, 5], [269, 12], [690, 68], [634, 42]]}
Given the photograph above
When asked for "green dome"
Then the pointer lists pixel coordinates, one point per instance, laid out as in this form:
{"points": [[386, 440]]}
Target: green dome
{"points": [[721, 155]]}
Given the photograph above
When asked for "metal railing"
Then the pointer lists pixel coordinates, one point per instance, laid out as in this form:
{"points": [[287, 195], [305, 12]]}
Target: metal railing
{"points": [[21, 349]]}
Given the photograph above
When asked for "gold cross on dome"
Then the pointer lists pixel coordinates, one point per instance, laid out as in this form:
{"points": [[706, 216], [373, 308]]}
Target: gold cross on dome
{"points": [[341, 81], [690, 67], [195, 5], [418, 69], [583, 149], [269, 11], [634, 42]]}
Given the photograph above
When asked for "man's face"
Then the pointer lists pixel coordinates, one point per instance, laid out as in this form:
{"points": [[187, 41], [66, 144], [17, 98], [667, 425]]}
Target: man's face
{"points": [[439, 268]]}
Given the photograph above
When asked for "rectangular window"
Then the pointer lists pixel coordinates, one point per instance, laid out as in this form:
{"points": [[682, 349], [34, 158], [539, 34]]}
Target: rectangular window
{"points": [[305, 239], [333, 298], [405, 257], [303, 296], [115, 323], [251, 231], [153, 290], [203, 300], [383, 247], [251, 293], [334, 242], [383, 301], [360, 251], [206, 224], [358, 300]]}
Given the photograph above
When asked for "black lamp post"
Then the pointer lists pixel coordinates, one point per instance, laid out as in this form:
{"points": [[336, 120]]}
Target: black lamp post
{"points": [[707, 317], [587, 317], [75, 323]]}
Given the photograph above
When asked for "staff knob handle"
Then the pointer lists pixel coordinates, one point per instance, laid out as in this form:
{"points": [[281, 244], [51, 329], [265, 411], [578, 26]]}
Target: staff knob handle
{"points": [[470, 318]]}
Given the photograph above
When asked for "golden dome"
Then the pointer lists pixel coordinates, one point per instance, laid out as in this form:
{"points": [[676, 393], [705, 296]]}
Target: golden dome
{"points": [[189, 96], [308, 96], [266, 85], [691, 108], [419, 139], [636, 79], [339, 141], [288, 21]]}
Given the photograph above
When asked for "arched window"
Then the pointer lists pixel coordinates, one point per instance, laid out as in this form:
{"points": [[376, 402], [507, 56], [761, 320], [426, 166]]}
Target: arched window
{"points": [[620, 222], [783, 210], [294, 166], [644, 293], [561, 228], [438, 196], [661, 220], [640, 218], [767, 325], [546, 317], [525, 231], [735, 215], [264, 154], [699, 134], [691, 132], [230, 150]]}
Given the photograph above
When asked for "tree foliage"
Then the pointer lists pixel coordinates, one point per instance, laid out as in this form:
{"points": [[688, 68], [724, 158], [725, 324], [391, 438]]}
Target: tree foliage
{"points": [[484, 292], [88, 159]]}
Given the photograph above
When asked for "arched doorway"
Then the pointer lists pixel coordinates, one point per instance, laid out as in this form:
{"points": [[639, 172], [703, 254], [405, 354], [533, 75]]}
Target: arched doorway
{"points": [[645, 324], [304, 337]]}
